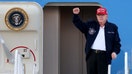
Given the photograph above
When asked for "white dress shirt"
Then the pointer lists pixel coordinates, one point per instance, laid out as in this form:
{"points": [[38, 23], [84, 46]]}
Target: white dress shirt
{"points": [[99, 43]]}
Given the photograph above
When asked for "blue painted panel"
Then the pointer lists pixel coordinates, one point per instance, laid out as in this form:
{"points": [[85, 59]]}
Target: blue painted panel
{"points": [[120, 13]]}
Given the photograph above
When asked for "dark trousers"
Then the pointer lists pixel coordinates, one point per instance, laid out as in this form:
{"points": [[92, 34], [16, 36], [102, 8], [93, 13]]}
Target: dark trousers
{"points": [[97, 63]]}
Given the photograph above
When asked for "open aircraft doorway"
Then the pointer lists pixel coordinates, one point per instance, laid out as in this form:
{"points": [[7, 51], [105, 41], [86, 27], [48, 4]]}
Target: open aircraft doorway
{"points": [[63, 43]]}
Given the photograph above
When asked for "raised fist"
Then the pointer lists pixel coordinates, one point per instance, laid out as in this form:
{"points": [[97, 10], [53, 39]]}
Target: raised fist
{"points": [[76, 10]]}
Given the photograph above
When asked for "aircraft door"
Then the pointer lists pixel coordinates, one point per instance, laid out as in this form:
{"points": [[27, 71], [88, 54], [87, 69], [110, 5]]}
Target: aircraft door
{"points": [[21, 29]]}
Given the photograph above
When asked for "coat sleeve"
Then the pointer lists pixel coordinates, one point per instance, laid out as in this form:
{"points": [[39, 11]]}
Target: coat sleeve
{"points": [[79, 23], [117, 44]]}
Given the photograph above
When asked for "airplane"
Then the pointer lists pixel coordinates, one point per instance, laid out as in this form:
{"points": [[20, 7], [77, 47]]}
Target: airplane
{"points": [[60, 45]]}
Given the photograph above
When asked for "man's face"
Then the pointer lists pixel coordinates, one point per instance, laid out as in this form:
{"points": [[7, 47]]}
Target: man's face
{"points": [[101, 18]]}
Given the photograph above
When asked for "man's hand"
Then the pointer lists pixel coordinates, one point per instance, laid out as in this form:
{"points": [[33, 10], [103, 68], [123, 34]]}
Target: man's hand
{"points": [[76, 10], [113, 55]]}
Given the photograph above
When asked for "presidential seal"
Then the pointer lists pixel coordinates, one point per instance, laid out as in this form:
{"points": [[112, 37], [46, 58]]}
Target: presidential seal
{"points": [[16, 19]]}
